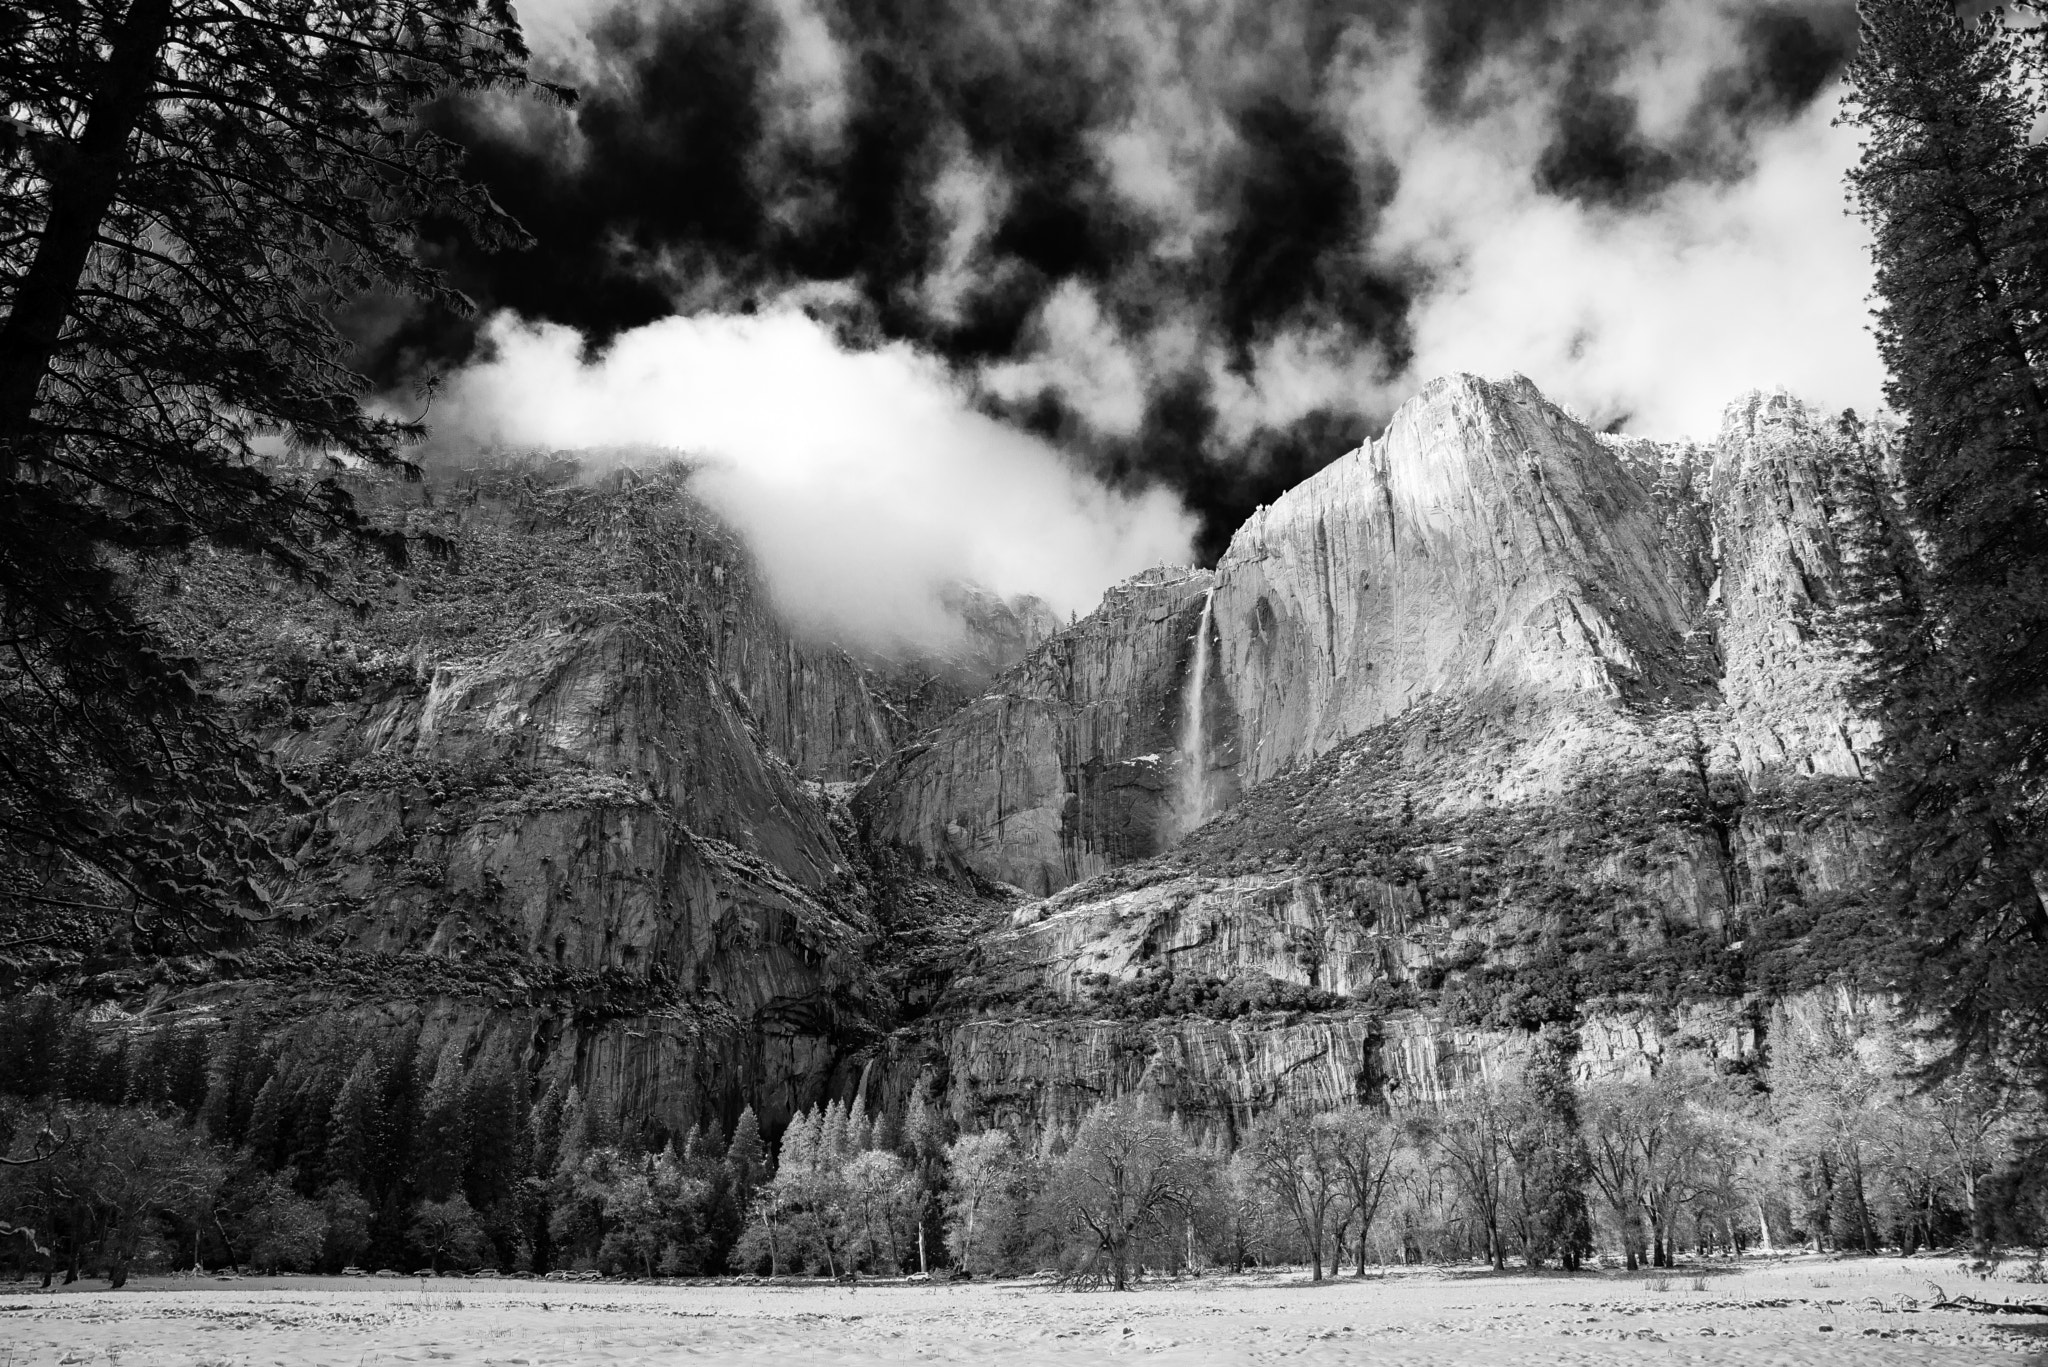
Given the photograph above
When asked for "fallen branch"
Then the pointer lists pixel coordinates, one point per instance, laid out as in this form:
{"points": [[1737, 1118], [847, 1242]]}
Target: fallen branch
{"points": [[1983, 1307], [24, 1232]]}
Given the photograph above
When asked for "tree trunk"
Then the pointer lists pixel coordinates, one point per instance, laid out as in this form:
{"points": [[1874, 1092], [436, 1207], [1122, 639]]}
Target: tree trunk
{"points": [[544, 1243], [82, 191], [1980, 1242]]}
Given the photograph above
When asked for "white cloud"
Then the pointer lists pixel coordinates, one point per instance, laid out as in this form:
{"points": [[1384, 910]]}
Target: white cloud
{"points": [[1662, 313], [1079, 355], [1292, 376], [863, 481]]}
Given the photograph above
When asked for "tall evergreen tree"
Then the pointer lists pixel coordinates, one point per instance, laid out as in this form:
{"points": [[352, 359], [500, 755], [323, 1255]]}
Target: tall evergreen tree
{"points": [[746, 1157], [188, 189], [235, 1074], [1956, 195], [312, 1111], [353, 1129], [1552, 1166], [496, 1137], [441, 1143], [267, 1121]]}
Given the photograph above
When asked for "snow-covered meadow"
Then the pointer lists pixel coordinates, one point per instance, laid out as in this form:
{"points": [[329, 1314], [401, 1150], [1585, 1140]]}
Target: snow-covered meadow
{"points": [[1792, 1313]]}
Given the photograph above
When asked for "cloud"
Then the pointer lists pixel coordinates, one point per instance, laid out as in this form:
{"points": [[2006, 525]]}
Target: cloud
{"points": [[1656, 316], [863, 480], [1079, 356], [1203, 246]]}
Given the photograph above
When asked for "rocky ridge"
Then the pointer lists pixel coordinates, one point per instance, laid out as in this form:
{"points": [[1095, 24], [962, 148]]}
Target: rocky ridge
{"points": [[1509, 725], [1532, 726], [570, 800]]}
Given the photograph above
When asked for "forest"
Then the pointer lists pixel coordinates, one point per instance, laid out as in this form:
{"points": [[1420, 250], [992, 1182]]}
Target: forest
{"points": [[184, 1149]]}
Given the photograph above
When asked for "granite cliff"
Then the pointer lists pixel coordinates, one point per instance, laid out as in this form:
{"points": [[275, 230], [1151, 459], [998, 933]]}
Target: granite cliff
{"points": [[1514, 725], [570, 799], [1496, 723]]}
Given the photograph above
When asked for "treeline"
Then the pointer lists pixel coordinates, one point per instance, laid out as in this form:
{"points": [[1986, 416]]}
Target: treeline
{"points": [[183, 1148]]}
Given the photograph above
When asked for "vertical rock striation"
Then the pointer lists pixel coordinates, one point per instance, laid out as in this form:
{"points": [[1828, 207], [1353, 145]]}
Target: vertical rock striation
{"points": [[1064, 768], [1524, 724], [1785, 546], [1486, 543]]}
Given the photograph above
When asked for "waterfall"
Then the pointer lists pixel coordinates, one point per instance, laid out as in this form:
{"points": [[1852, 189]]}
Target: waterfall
{"points": [[1191, 802]]}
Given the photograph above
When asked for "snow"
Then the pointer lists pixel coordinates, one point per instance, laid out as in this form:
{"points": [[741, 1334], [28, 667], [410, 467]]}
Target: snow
{"points": [[1802, 1312]]}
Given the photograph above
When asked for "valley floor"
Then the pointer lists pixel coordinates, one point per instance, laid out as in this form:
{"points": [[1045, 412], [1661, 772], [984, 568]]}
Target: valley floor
{"points": [[1794, 1313]]}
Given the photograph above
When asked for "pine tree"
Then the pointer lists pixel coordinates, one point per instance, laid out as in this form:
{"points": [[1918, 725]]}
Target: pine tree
{"points": [[397, 1134], [184, 1082], [355, 1125], [833, 1136], [236, 1073], [312, 1111], [1956, 195], [1549, 1148], [494, 1128], [188, 191], [267, 1121], [746, 1157], [799, 1151], [441, 1145]]}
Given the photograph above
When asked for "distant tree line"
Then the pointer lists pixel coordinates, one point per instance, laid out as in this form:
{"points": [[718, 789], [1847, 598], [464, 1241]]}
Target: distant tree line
{"points": [[184, 1148]]}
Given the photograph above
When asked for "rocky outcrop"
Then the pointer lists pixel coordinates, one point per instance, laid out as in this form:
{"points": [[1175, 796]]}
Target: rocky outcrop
{"points": [[1486, 544], [1218, 1076], [1785, 516]]}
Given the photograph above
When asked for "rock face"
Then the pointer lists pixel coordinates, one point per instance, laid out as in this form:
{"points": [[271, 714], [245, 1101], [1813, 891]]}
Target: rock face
{"points": [[1502, 725], [1219, 1076], [1486, 544], [1785, 517], [1065, 768], [568, 797], [1531, 725], [1487, 547]]}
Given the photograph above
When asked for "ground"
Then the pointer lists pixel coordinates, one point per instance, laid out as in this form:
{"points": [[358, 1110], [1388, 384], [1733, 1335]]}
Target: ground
{"points": [[1800, 1312]]}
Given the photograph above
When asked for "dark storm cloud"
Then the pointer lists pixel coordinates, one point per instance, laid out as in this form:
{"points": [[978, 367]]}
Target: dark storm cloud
{"points": [[1293, 247], [953, 180]]}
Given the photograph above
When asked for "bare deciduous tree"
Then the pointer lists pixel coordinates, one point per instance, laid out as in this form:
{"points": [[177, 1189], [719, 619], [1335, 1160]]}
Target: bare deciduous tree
{"points": [[1126, 1172]]}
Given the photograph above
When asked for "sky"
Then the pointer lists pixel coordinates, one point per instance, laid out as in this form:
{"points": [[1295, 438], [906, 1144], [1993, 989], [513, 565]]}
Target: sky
{"points": [[1036, 293]]}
